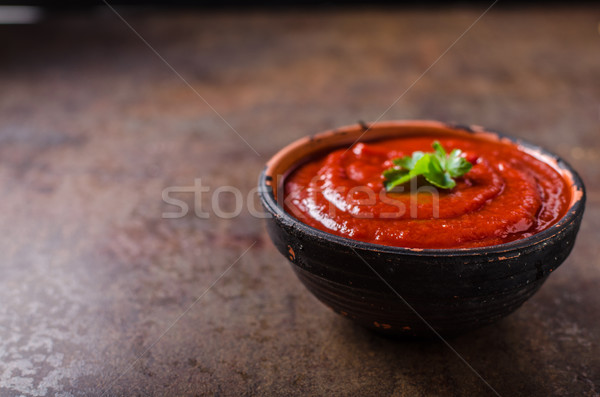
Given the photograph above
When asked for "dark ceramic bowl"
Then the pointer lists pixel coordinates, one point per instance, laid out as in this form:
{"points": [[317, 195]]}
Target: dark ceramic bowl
{"points": [[383, 287]]}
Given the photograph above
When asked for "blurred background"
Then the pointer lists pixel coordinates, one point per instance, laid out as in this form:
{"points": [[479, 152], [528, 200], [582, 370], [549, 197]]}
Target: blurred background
{"points": [[103, 106]]}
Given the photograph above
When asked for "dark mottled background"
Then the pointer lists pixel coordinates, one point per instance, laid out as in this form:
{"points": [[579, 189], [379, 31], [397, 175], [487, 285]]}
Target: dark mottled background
{"points": [[93, 127]]}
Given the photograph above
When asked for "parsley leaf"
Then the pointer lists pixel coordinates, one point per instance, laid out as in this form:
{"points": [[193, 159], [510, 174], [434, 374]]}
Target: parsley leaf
{"points": [[438, 168]]}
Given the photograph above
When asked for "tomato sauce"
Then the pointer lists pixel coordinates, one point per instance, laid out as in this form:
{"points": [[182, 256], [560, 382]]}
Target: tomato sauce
{"points": [[506, 196]]}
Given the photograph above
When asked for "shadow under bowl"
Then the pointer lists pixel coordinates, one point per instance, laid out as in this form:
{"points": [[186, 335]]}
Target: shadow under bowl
{"points": [[398, 290]]}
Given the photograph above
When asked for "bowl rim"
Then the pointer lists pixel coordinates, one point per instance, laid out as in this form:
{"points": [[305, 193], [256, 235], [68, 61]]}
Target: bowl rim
{"points": [[575, 209]]}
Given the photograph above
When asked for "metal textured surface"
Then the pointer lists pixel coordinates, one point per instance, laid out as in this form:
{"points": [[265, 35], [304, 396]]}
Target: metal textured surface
{"points": [[93, 128]]}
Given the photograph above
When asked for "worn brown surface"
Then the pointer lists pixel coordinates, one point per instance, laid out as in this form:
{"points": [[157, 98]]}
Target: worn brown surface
{"points": [[93, 127]]}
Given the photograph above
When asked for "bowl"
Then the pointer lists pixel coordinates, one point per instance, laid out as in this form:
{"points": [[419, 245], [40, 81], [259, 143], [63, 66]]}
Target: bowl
{"points": [[398, 290]]}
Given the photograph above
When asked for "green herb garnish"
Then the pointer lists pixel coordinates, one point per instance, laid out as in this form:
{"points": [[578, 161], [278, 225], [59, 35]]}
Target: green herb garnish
{"points": [[437, 167]]}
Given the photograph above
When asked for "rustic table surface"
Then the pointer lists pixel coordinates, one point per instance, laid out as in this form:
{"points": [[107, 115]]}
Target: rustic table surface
{"points": [[101, 294]]}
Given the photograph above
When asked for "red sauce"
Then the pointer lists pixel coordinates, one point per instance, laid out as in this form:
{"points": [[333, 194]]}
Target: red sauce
{"points": [[507, 195]]}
